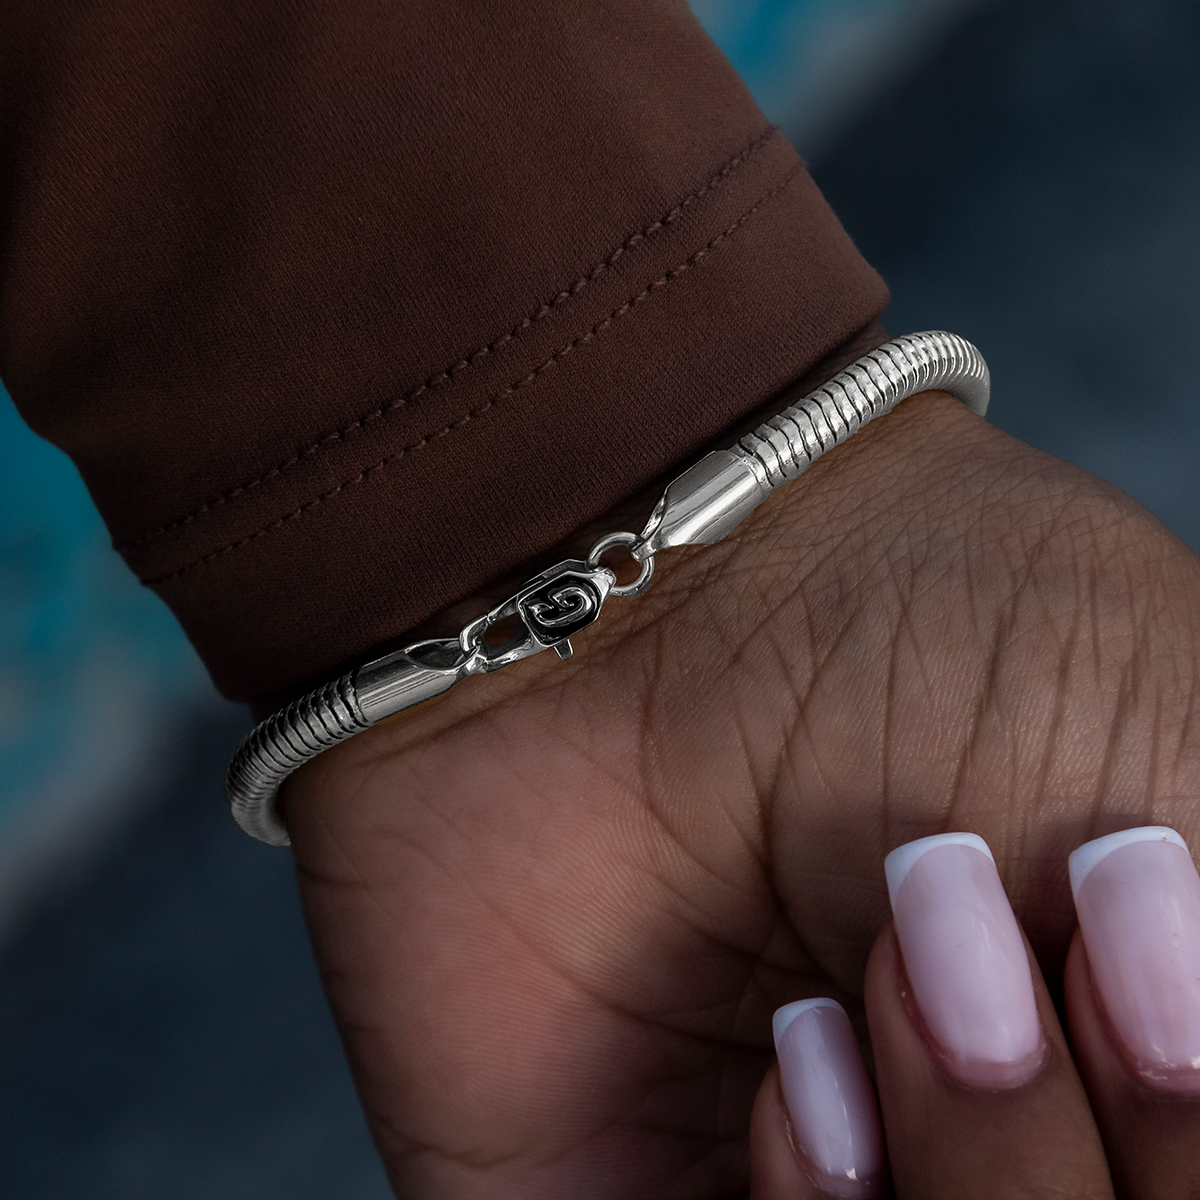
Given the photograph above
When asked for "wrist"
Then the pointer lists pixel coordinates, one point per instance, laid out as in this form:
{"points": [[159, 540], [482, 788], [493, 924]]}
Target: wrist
{"points": [[699, 507]]}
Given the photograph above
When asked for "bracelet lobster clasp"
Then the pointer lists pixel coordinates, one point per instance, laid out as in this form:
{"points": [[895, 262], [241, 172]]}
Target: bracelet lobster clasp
{"points": [[550, 609], [545, 614]]}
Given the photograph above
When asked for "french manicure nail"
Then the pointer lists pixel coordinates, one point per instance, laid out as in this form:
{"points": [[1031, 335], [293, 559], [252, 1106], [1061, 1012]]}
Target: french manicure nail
{"points": [[965, 959], [830, 1098], [1137, 896]]}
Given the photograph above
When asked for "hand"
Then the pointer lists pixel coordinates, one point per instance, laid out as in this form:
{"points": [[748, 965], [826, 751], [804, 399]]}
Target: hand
{"points": [[980, 1093], [556, 910]]}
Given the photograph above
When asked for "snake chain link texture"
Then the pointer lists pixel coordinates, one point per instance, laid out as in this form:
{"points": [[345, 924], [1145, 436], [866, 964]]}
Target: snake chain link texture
{"points": [[779, 450], [275, 748], [790, 442]]}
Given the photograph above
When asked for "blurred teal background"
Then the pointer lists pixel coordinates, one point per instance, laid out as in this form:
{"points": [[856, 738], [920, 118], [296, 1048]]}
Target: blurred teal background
{"points": [[89, 660], [1023, 173]]}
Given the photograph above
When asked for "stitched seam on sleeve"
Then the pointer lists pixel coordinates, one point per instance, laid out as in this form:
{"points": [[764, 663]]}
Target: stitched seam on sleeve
{"points": [[467, 361], [472, 414]]}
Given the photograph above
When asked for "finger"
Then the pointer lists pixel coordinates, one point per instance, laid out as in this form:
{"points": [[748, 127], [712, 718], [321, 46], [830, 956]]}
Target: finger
{"points": [[1133, 1002], [815, 1130], [979, 1094]]}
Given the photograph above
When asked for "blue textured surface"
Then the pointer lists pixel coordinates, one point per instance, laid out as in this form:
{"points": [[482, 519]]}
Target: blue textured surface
{"points": [[69, 610], [162, 1028]]}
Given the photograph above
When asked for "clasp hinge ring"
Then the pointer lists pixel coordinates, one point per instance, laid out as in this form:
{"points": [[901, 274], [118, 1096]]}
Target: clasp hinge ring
{"points": [[629, 540]]}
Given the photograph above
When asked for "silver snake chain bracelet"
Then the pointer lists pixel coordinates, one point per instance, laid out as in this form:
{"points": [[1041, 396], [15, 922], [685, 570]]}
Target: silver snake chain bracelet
{"points": [[698, 508]]}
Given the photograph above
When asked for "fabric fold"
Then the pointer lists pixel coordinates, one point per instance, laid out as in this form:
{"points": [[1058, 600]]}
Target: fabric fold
{"points": [[344, 312]]}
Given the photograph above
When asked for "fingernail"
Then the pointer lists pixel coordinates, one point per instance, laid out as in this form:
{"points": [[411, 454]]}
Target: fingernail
{"points": [[830, 1098], [965, 959], [1137, 896]]}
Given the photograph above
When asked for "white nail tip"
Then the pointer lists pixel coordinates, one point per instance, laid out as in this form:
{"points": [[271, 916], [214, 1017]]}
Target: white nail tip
{"points": [[898, 864], [1090, 853], [789, 1012]]}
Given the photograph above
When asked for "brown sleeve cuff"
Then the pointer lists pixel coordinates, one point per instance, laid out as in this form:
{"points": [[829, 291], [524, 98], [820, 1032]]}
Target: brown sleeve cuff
{"points": [[348, 310]]}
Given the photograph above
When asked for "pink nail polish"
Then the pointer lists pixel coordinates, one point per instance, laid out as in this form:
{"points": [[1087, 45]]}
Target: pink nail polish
{"points": [[965, 959], [830, 1099], [1137, 896]]}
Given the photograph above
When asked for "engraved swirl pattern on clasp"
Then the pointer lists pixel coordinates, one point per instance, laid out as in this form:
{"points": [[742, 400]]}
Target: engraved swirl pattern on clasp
{"points": [[564, 607]]}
